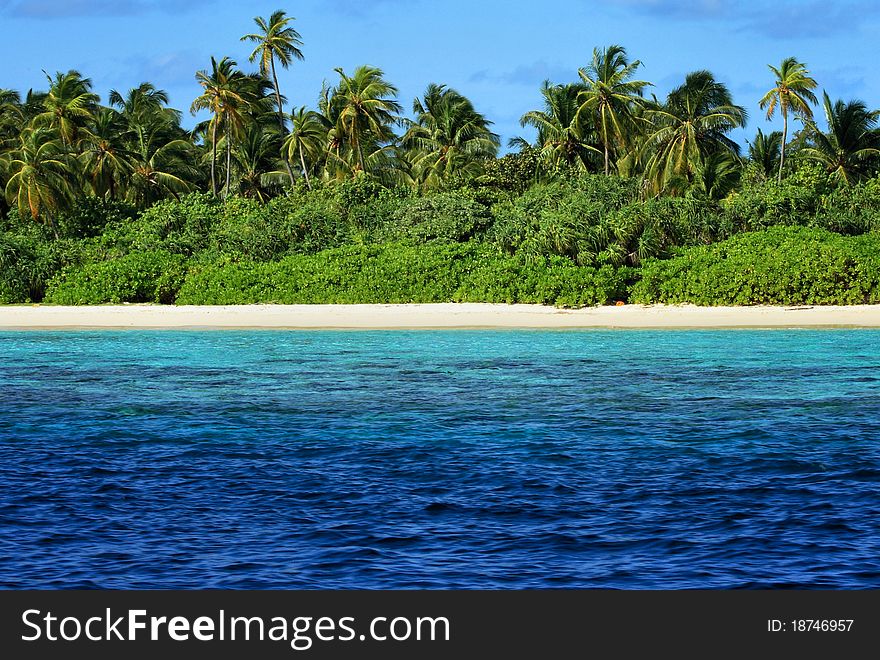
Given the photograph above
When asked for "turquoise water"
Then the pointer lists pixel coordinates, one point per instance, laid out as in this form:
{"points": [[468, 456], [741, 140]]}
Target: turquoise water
{"points": [[467, 459]]}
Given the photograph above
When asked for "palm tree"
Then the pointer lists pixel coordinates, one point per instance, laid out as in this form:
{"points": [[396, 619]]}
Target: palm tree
{"points": [[105, 161], [719, 175], [562, 132], [256, 114], [257, 158], [34, 104], [276, 40], [9, 98], [163, 170], [11, 124], [366, 109], [68, 106], [610, 96], [147, 116], [40, 174], [11, 115], [158, 151], [308, 135], [691, 125], [851, 143], [448, 135], [225, 96], [142, 100], [791, 94], [765, 151]]}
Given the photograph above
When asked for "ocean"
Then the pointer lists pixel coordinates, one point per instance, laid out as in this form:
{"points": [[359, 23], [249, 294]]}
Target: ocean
{"points": [[440, 459]]}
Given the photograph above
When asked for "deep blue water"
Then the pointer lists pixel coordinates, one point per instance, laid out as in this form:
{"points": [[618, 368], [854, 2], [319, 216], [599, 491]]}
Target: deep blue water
{"points": [[440, 459]]}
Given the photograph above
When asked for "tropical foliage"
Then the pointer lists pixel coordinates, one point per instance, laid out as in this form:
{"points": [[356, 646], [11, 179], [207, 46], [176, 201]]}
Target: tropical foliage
{"points": [[448, 138], [276, 40], [689, 134], [781, 266], [850, 150], [564, 139], [793, 93], [613, 195], [610, 99]]}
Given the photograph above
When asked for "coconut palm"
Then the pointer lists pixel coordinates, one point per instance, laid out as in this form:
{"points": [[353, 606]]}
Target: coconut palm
{"points": [[256, 158], [159, 152], [9, 98], [851, 143], [11, 123], [226, 96], [34, 104], [276, 40], [164, 170], [142, 100], [792, 93], [448, 136], [257, 114], [147, 116], [105, 161], [689, 127], [719, 175], [11, 115], [146, 112], [68, 106], [346, 155], [380, 161], [40, 174], [365, 108], [765, 151], [610, 96], [563, 135], [308, 136]]}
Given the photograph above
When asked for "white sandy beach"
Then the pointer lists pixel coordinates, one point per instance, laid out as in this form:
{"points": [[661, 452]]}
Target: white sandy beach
{"points": [[434, 316]]}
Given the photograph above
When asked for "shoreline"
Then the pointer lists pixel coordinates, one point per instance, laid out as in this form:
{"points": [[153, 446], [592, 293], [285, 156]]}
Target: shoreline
{"points": [[432, 316]]}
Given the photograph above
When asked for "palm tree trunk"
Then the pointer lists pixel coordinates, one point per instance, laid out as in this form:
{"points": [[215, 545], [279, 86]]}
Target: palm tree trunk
{"points": [[784, 140], [214, 158], [361, 157], [607, 159], [302, 161], [281, 122], [53, 227], [228, 163]]}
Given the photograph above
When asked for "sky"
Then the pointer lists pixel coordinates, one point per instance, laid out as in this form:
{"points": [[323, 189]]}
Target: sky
{"points": [[496, 52]]}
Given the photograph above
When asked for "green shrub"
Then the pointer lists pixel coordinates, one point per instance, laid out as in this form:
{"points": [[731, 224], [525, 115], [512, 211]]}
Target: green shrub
{"points": [[512, 174], [178, 226], [17, 268], [142, 277], [306, 223], [89, 216], [401, 273], [366, 206], [597, 220], [244, 229], [794, 201], [28, 262], [778, 266], [450, 216], [852, 210]]}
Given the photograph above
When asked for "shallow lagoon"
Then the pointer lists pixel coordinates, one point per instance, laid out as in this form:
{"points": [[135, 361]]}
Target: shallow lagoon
{"points": [[470, 459]]}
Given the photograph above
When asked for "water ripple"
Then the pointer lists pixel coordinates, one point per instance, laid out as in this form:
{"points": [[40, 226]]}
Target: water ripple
{"points": [[247, 460]]}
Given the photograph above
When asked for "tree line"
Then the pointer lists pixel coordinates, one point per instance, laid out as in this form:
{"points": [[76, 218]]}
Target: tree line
{"points": [[60, 145]]}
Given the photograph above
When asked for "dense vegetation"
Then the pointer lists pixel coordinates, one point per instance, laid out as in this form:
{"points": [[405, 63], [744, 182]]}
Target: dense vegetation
{"points": [[619, 197], [778, 266]]}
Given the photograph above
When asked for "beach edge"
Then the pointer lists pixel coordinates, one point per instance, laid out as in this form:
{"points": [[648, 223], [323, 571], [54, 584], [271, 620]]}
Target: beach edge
{"points": [[431, 316]]}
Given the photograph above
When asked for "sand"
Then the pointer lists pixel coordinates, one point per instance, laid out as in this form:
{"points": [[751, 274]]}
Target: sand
{"points": [[434, 316]]}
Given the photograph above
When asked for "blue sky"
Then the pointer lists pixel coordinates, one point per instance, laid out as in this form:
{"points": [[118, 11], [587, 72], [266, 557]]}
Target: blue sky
{"points": [[496, 52]]}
